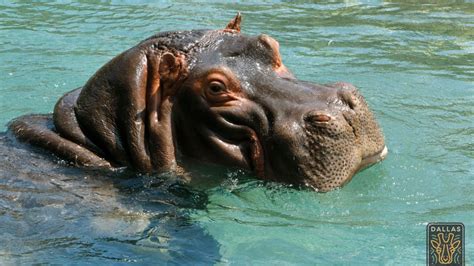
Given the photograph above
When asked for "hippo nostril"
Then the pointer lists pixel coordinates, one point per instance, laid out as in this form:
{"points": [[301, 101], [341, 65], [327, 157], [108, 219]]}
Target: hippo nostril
{"points": [[321, 118], [348, 98], [317, 117]]}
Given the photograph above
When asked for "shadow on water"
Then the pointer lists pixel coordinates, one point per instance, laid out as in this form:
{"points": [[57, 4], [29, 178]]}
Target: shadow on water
{"points": [[52, 213]]}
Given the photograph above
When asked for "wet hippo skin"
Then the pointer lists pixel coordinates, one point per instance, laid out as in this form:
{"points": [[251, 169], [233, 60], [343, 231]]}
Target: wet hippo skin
{"points": [[215, 95]]}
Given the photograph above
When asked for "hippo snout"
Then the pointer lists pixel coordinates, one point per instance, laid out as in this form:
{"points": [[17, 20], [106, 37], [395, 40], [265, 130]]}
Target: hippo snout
{"points": [[322, 141], [341, 139]]}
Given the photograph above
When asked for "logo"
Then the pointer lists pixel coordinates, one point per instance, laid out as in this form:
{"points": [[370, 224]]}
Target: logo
{"points": [[445, 244]]}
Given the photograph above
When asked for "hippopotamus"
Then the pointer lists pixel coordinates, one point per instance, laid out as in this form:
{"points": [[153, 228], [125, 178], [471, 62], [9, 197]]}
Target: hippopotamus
{"points": [[217, 96]]}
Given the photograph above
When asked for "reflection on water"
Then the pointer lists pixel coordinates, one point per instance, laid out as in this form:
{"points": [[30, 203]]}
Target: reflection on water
{"points": [[412, 61], [53, 213]]}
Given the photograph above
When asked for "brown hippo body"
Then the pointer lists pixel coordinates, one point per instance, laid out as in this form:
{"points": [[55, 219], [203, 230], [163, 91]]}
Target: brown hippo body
{"points": [[214, 95]]}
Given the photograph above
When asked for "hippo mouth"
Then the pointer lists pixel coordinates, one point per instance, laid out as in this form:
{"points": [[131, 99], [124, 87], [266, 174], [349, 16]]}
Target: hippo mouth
{"points": [[240, 144], [373, 158], [266, 172]]}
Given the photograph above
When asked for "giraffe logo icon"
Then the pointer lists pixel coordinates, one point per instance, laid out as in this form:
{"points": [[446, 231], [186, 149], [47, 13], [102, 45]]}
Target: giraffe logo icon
{"points": [[445, 244]]}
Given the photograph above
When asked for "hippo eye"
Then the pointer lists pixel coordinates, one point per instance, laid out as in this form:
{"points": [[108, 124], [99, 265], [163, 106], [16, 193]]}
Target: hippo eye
{"points": [[216, 87]]}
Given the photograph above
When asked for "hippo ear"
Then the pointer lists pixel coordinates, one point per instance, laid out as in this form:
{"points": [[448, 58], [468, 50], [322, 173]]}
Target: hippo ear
{"points": [[171, 69], [164, 81], [234, 24], [167, 70]]}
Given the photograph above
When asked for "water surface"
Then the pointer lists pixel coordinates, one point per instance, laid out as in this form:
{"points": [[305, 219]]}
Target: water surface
{"points": [[413, 62]]}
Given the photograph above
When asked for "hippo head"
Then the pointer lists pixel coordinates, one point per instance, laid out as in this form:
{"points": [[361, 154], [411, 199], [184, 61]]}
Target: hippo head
{"points": [[241, 106], [218, 96]]}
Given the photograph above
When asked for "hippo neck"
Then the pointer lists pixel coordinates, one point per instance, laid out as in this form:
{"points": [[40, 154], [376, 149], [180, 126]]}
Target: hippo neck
{"points": [[183, 41]]}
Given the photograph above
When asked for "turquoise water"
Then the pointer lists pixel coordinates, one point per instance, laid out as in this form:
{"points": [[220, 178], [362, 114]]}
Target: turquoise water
{"points": [[413, 62]]}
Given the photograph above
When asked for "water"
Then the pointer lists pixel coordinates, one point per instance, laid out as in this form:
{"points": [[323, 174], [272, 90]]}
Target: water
{"points": [[413, 62]]}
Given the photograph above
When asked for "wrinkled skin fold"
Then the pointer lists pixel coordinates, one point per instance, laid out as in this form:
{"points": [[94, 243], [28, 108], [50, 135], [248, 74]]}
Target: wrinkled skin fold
{"points": [[218, 96]]}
